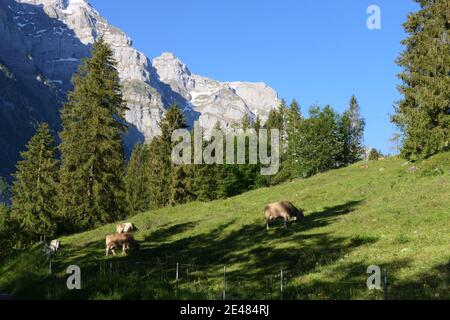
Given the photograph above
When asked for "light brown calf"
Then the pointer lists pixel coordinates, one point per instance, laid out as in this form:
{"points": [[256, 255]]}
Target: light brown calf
{"points": [[282, 210], [114, 241]]}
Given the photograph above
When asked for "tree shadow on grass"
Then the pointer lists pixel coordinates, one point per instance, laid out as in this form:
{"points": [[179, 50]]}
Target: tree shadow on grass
{"points": [[349, 281], [163, 234], [252, 253], [94, 251], [328, 216], [343, 282], [431, 284]]}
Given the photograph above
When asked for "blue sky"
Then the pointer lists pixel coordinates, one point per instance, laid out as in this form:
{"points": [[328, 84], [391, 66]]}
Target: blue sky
{"points": [[316, 51]]}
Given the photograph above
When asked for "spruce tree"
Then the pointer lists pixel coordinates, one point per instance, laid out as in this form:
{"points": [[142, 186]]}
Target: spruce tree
{"points": [[180, 188], [35, 187], [229, 176], [277, 120], [209, 183], [258, 124], [160, 172], [166, 181], [423, 114], [137, 180], [205, 182], [92, 188], [345, 137], [293, 121], [231, 181], [250, 173], [203, 177], [352, 134], [283, 111]]}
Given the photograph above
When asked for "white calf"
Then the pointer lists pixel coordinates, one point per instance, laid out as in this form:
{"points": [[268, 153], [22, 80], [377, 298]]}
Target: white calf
{"points": [[52, 248], [126, 228]]}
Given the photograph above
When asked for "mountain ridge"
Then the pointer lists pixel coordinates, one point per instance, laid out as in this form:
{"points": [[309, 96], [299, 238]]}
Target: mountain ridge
{"points": [[46, 41]]}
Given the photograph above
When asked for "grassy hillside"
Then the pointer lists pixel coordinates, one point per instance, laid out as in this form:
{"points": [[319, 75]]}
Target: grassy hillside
{"points": [[388, 213]]}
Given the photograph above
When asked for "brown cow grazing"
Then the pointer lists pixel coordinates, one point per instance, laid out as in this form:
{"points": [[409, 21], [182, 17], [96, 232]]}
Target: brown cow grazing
{"points": [[282, 210], [114, 241]]}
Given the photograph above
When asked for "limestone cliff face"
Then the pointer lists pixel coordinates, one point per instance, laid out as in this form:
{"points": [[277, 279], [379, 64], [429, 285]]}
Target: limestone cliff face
{"points": [[214, 101], [61, 34], [44, 41]]}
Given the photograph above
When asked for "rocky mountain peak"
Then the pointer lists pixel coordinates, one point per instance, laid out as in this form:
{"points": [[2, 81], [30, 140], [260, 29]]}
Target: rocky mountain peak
{"points": [[169, 62], [175, 73], [214, 101]]}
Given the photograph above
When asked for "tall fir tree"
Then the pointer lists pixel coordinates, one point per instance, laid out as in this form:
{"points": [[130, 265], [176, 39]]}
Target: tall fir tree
{"points": [[250, 173], [352, 134], [167, 181], [204, 182], [181, 190], [293, 121], [35, 187], [160, 172], [228, 176], [92, 188], [222, 173], [231, 181], [258, 124], [137, 180], [423, 115], [181, 184], [277, 120]]}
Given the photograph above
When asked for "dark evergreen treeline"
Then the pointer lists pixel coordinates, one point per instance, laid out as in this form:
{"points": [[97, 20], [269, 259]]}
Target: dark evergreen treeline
{"points": [[322, 141]]}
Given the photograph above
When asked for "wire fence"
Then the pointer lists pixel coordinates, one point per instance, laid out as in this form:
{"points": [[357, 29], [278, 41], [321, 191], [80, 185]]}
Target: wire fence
{"points": [[111, 279], [159, 278]]}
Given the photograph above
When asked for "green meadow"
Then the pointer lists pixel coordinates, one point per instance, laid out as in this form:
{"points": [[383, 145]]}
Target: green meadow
{"points": [[388, 213]]}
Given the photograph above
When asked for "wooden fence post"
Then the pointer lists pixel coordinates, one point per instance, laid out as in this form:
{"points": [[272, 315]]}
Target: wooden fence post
{"points": [[176, 279], [224, 282], [281, 284], [386, 285]]}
